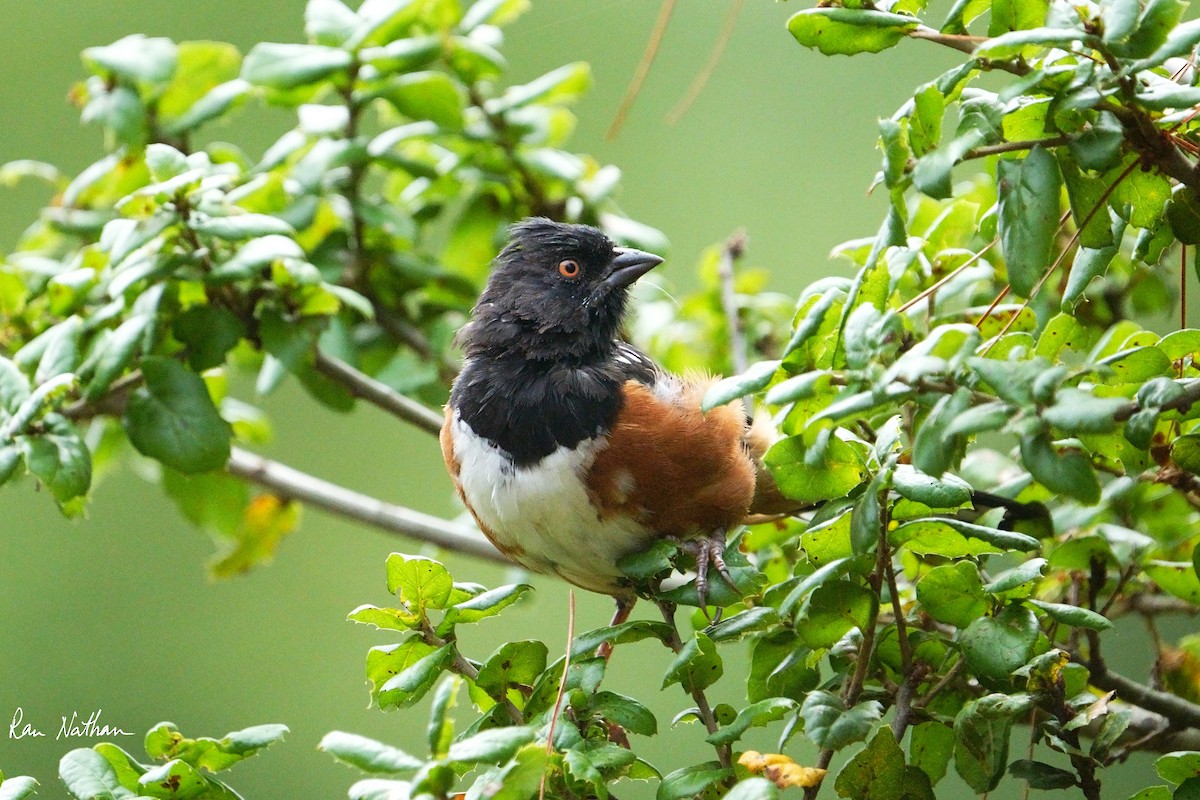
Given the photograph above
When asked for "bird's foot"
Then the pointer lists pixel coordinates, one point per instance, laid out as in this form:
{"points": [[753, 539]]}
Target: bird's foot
{"points": [[709, 552]]}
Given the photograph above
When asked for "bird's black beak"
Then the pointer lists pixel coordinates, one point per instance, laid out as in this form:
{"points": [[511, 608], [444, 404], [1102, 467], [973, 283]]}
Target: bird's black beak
{"points": [[628, 266]]}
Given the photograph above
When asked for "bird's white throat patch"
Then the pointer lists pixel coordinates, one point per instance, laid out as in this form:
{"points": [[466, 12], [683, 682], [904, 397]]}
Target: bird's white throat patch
{"points": [[542, 514]]}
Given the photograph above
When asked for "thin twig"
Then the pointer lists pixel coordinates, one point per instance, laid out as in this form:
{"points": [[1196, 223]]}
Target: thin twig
{"points": [[949, 276], [1011, 147], [643, 69], [1178, 711], [291, 483], [733, 250], [714, 58], [724, 754], [379, 394], [562, 686]]}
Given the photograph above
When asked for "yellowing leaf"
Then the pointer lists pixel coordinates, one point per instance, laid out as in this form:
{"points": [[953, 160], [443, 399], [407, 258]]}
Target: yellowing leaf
{"points": [[781, 770]]}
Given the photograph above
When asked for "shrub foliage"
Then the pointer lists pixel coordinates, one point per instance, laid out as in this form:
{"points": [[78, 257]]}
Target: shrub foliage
{"points": [[992, 422]]}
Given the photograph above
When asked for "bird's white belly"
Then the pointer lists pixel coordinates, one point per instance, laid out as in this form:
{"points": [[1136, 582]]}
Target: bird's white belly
{"points": [[542, 515]]}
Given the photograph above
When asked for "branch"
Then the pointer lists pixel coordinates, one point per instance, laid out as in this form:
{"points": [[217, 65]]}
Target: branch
{"points": [[292, 484], [364, 386], [1191, 394], [1178, 712]]}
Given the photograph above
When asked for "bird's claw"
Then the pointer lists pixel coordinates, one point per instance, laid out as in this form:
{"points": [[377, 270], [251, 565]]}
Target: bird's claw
{"points": [[709, 552]]}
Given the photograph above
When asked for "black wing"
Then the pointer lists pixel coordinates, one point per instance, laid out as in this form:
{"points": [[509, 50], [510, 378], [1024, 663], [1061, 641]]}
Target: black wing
{"points": [[635, 365]]}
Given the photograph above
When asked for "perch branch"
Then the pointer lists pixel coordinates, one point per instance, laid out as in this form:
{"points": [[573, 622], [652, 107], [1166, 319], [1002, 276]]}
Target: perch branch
{"points": [[364, 386], [294, 484]]}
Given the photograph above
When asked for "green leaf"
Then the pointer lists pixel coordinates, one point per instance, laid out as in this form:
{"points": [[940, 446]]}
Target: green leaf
{"points": [[753, 789], [513, 664], [1075, 411], [60, 460], [996, 646], [878, 772], [1015, 15], [917, 530], [420, 582], [953, 593], [369, 755], [1098, 146], [136, 58], [416, 670], [484, 605], [1074, 615], [1017, 576], [403, 55], [1068, 472], [62, 350], [1176, 578], [172, 419], [688, 783], [625, 633], [625, 711], [286, 66], [847, 31], [1183, 213], [1041, 776], [329, 22], [752, 380], [1028, 190], [947, 492], [812, 474], [1087, 196], [557, 87], [1178, 766], [832, 610], [209, 332], [697, 666], [14, 386], [428, 95], [17, 787], [930, 747], [88, 776], [493, 746], [175, 780], [385, 619], [1155, 23], [241, 226], [754, 715], [981, 733], [828, 723], [749, 621], [1016, 42]]}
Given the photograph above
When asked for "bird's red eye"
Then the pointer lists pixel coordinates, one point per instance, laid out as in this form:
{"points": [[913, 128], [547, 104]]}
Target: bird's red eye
{"points": [[568, 268]]}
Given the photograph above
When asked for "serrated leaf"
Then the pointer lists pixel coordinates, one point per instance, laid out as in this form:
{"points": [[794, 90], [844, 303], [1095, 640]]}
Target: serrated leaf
{"points": [[420, 582], [627, 712], [833, 609], [830, 724], [754, 715], [697, 666]]}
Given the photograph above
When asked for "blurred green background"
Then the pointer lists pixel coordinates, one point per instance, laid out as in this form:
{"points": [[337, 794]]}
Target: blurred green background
{"points": [[116, 612]]}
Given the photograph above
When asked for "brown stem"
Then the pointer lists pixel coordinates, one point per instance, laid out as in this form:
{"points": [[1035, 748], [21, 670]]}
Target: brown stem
{"points": [[724, 754]]}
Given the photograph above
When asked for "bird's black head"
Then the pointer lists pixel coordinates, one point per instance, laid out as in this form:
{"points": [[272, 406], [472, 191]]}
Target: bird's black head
{"points": [[556, 291]]}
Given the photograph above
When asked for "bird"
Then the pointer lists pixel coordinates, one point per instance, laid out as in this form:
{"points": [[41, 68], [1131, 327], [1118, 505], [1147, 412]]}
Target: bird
{"points": [[570, 447]]}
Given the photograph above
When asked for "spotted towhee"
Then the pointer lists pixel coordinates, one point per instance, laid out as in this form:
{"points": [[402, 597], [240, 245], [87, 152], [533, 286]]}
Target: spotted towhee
{"points": [[569, 446]]}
